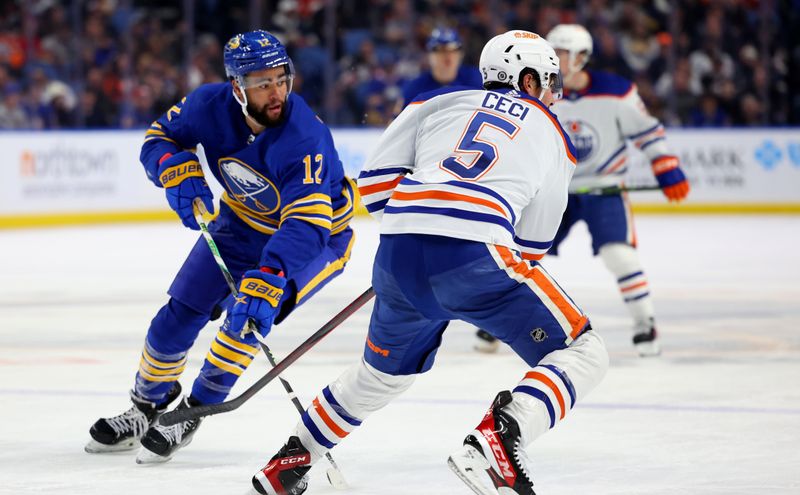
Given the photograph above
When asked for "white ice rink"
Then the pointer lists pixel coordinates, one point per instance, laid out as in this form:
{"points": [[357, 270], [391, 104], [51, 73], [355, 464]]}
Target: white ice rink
{"points": [[718, 413]]}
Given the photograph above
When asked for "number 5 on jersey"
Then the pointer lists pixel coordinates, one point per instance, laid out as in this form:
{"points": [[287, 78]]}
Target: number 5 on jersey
{"points": [[313, 177], [484, 152]]}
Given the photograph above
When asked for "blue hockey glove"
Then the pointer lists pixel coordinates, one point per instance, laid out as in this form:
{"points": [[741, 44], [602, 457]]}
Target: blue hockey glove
{"points": [[670, 177], [259, 298], [183, 180]]}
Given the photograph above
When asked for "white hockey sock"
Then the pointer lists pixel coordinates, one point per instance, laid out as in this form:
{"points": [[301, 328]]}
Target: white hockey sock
{"points": [[345, 403], [552, 388], [623, 262]]}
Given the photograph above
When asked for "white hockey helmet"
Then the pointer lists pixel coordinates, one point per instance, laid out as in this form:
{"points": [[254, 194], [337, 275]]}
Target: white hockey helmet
{"points": [[573, 38], [506, 55]]}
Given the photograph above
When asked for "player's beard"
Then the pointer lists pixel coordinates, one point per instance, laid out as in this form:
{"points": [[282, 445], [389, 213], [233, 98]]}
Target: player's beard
{"points": [[261, 115]]}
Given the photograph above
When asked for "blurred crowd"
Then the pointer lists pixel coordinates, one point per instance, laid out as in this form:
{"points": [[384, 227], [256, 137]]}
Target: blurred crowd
{"points": [[121, 63]]}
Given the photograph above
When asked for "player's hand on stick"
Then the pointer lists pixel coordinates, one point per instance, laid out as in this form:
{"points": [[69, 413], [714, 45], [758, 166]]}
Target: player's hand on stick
{"points": [[670, 177], [183, 180], [260, 295]]}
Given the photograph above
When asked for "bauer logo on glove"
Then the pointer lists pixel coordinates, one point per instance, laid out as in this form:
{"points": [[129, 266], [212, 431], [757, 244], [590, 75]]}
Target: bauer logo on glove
{"points": [[259, 288], [175, 175]]}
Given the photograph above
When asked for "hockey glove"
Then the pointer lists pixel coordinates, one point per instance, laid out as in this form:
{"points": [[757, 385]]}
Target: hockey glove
{"points": [[183, 180], [259, 298], [670, 177]]}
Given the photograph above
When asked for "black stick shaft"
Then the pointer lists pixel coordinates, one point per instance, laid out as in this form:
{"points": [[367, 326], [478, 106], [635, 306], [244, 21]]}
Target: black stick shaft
{"points": [[190, 413]]}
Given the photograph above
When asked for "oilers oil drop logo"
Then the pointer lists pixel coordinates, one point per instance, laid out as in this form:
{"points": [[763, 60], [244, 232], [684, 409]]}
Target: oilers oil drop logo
{"points": [[584, 137], [248, 187]]}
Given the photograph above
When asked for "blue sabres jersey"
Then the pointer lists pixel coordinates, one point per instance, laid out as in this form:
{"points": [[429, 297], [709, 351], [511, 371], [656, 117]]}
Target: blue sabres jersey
{"points": [[467, 76], [287, 179]]}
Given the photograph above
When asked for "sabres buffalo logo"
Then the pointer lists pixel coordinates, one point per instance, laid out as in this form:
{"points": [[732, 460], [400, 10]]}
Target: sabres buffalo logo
{"points": [[584, 137], [248, 187], [234, 43]]}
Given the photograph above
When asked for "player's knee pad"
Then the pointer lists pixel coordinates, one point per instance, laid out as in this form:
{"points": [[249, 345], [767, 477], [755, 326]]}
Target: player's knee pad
{"points": [[175, 327], [362, 389], [620, 259]]}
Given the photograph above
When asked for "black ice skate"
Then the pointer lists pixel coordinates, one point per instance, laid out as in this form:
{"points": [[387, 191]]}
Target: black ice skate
{"points": [[160, 442], [124, 431], [286, 472], [494, 449], [645, 339], [486, 342]]}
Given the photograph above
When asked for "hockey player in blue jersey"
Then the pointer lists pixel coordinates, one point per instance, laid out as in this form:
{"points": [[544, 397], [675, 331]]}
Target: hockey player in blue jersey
{"points": [[469, 187], [444, 57], [282, 228]]}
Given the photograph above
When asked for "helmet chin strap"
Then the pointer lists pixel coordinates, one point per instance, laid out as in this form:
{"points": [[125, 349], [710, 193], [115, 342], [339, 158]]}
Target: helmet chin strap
{"points": [[243, 103]]}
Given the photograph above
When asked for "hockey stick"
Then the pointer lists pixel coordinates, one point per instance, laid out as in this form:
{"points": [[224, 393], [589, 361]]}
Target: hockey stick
{"points": [[335, 476], [607, 191], [196, 412]]}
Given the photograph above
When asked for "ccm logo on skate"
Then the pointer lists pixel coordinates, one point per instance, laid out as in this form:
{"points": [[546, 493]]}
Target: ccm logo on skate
{"points": [[175, 175], [500, 456], [376, 349], [294, 460]]}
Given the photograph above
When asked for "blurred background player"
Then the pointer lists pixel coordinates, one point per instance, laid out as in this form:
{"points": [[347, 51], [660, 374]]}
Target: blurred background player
{"points": [[282, 227], [459, 180], [602, 112], [445, 55]]}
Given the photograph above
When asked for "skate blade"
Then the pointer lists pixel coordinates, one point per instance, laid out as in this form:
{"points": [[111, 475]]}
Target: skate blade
{"points": [[471, 466], [95, 447], [336, 479], [145, 456], [648, 349]]}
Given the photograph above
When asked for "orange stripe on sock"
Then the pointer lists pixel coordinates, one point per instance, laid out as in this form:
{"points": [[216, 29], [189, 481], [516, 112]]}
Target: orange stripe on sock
{"points": [[448, 196], [576, 320], [328, 421], [535, 375], [632, 287]]}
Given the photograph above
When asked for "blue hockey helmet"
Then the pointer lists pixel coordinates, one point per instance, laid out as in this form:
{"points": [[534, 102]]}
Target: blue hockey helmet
{"points": [[252, 51], [443, 38]]}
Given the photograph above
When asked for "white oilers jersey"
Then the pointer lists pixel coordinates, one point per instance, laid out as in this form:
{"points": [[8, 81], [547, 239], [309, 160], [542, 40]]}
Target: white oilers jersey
{"points": [[486, 166], [600, 120]]}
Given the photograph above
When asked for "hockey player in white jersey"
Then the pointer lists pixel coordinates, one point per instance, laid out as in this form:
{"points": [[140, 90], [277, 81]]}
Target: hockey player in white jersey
{"points": [[470, 186], [602, 112]]}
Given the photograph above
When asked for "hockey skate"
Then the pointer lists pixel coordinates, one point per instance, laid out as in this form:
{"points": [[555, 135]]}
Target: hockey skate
{"points": [[160, 442], [485, 342], [493, 452], [286, 472], [645, 340], [124, 431]]}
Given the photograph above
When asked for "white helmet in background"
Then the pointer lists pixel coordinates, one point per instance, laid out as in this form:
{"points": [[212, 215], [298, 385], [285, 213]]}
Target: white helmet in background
{"points": [[575, 39], [506, 55]]}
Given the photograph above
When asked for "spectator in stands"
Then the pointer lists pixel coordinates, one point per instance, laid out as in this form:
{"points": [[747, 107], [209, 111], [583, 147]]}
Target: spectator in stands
{"points": [[444, 57]]}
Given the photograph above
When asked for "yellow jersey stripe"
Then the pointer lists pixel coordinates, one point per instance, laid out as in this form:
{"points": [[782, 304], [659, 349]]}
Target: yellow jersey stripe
{"points": [[327, 271], [307, 199], [313, 209], [325, 224]]}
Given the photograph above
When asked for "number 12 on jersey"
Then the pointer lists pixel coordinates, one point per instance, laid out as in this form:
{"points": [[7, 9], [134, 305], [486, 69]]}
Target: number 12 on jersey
{"points": [[311, 177], [484, 152]]}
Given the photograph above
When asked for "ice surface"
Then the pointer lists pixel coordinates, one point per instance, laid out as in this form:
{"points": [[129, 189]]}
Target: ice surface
{"points": [[718, 413]]}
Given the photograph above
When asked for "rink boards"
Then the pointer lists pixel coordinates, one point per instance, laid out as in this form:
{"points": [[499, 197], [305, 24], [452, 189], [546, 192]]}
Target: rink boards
{"points": [[69, 177]]}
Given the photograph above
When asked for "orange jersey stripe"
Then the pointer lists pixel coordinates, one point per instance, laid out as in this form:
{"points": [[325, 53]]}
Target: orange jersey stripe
{"points": [[327, 419], [535, 375], [558, 128], [379, 187], [576, 320], [616, 165], [447, 196]]}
